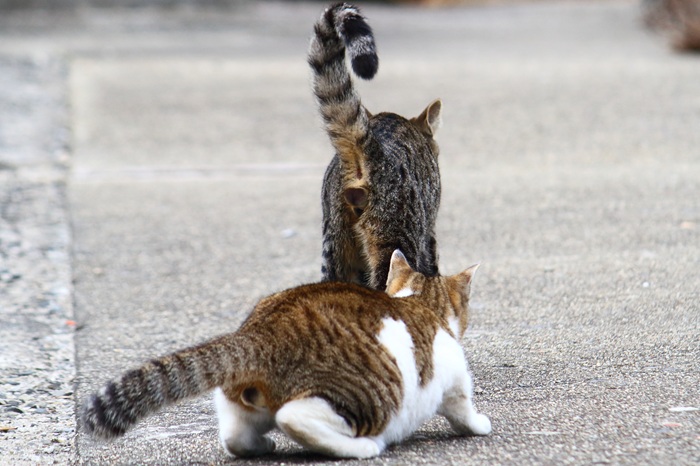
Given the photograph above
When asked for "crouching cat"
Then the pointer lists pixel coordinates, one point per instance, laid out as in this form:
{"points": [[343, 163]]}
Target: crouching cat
{"points": [[341, 369], [381, 190]]}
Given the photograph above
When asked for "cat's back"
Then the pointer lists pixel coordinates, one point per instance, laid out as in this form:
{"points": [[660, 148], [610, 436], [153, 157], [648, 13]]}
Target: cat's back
{"points": [[337, 303], [397, 147], [344, 320], [340, 342], [404, 180], [320, 340]]}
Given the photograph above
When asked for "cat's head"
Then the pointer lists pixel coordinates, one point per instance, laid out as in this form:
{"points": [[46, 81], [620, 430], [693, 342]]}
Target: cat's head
{"points": [[449, 293]]}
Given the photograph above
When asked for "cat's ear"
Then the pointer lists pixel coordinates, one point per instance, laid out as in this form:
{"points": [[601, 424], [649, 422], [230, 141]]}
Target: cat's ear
{"points": [[464, 279], [399, 270], [399, 262], [429, 121]]}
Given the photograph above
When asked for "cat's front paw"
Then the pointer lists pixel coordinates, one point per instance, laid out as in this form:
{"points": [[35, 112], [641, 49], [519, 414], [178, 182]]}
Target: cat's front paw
{"points": [[479, 424]]}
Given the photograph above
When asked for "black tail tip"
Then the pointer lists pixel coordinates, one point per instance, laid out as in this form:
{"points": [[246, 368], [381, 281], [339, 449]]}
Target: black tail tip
{"points": [[94, 420], [365, 66]]}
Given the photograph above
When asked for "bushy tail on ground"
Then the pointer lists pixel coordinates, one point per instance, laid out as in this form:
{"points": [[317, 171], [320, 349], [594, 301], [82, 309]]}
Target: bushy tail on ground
{"points": [[159, 383], [342, 28]]}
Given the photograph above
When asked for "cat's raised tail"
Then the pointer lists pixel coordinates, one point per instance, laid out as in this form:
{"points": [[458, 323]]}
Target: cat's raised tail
{"points": [[122, 402], [342, 28]]}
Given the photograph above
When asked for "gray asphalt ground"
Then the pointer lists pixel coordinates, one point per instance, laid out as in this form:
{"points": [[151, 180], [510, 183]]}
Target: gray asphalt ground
{"points": [[160, 171]]}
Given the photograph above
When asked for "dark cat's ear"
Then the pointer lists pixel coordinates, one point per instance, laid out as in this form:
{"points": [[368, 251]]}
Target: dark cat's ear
{"points": [[429, 121], [399, 271], [464, 279]]}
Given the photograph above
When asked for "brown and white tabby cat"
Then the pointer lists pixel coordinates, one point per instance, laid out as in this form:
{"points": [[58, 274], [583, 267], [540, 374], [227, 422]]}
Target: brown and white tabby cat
{"points": [[381, 190], [341, 369]]}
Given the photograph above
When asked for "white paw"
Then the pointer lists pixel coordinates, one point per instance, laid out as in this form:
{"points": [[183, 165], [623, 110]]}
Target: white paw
{"points": [[479, 424], [365, 448]]}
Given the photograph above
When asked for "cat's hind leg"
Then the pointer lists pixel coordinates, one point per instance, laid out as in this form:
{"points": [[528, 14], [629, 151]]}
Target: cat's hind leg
{"points": [[314, 424], [458, 407], [242, 431]]}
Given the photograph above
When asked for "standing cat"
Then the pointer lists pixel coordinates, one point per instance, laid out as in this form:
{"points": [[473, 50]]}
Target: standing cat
{"points": [[381, 191], [341, 369]]}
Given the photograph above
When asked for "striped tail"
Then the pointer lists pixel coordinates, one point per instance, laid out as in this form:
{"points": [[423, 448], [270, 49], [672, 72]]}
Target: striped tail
{"points": [[341, 28], [161, 382]]}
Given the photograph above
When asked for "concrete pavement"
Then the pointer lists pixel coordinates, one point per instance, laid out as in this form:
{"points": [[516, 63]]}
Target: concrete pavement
{"points": [[570, 157]]}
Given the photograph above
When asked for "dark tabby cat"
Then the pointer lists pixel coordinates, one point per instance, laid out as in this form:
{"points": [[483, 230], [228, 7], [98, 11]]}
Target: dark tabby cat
{"points": [[381, 191], [341, 369]]}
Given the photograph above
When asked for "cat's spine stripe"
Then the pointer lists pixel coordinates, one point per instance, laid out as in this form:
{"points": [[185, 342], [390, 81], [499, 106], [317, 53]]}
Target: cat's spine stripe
{"points": [[342, 28], [161, 382]]}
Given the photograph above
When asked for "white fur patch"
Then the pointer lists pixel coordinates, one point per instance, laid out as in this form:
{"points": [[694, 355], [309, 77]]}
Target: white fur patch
{"points": [[419, 403], [403, 293], [241, 431], [313, 423], [226, 412], [449, 392], [299, 412], [454, 325]]}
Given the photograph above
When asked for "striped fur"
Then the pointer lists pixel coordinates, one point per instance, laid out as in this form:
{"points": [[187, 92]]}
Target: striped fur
{"points": [[381, 191], [341, 29], [164, 381], [340, 350]]}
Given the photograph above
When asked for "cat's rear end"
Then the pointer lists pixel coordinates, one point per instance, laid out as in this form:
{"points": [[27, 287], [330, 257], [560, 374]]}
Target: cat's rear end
{"points": [[381, 191], [341, 369]]}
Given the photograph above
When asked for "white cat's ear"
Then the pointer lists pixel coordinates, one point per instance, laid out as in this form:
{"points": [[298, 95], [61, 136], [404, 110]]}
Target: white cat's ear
{"points": [[465, 278], [430, 120], [399, 262], [398, 270]]}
